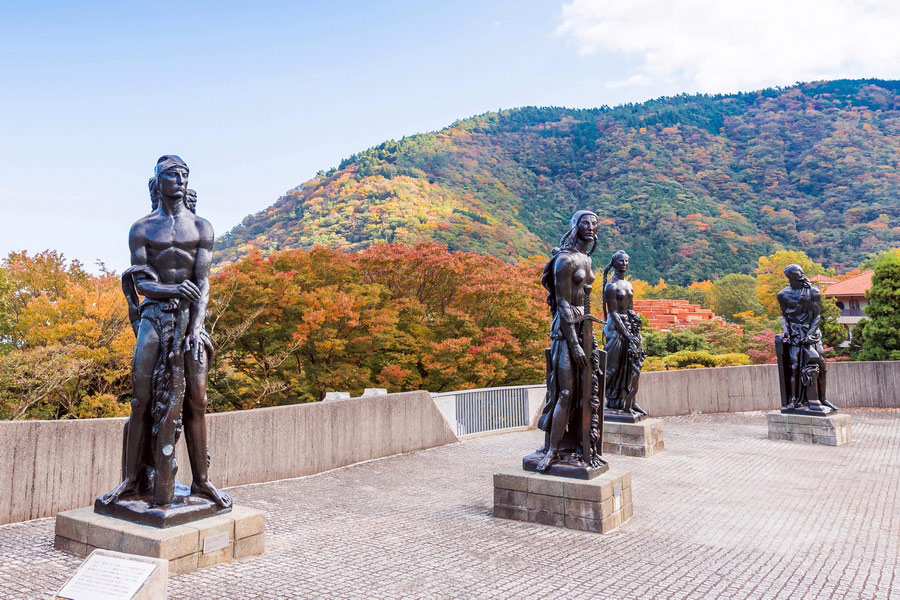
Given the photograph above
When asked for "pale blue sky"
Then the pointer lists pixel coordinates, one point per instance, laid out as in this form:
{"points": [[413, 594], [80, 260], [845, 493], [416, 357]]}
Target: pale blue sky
{"points": [[258, 97]]}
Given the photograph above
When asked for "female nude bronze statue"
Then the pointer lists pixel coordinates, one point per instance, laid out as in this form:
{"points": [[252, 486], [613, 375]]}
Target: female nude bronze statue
{"points": [[572, 413], [624, 345]]}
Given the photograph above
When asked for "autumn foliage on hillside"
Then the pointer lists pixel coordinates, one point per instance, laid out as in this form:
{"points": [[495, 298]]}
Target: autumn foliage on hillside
{"points": [[695, 187]]}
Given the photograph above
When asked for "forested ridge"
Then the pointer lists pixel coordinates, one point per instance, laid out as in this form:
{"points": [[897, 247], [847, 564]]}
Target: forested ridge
{"points": [[693, 186]]}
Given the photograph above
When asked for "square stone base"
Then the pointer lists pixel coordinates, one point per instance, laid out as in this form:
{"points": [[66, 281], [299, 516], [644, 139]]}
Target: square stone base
{"points": [[599, 505], [644, 438], [202, 543], [833, 430]]}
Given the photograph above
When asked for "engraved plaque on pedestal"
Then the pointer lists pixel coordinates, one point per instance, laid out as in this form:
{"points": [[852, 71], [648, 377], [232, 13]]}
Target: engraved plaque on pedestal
{"points": [[107, 575]]}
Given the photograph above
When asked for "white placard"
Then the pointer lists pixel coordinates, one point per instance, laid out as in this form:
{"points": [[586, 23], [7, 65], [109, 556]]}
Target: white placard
{"points": [[215, 542], [107, 578]]}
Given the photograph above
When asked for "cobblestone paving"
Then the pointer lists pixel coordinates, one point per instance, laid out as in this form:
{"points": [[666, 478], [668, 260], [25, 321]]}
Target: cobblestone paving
{"points": [[722, 513]]}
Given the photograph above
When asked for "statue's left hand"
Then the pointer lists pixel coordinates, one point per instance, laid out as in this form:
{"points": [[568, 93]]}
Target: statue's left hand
{"points": [[195, 343]]}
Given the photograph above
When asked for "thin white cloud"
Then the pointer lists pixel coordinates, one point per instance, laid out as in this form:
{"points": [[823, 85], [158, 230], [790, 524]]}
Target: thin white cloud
{"points": [[727, 45]]}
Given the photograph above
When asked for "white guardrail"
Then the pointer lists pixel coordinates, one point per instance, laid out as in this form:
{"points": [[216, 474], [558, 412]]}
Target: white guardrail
{"points": [[470, 412]]}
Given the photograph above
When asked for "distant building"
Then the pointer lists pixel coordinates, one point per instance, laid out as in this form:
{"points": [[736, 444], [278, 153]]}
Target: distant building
{"points": [[822, 281], [666, 315], [850, 297]]}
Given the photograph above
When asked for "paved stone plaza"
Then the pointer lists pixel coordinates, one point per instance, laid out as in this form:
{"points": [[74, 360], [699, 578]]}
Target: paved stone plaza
{"points": [[723, 512]]}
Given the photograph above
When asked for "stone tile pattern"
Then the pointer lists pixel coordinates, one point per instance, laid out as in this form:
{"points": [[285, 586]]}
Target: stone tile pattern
{"points": [[723, 513], [644, 438], [82, 531], [599, 505], [830, 431]]}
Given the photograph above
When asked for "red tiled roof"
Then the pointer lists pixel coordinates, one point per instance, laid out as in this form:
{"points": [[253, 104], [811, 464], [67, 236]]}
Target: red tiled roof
{"points": [[823, 279], [855, 286]]}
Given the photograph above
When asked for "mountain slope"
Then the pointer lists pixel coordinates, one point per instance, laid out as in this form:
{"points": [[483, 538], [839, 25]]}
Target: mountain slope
{"points": [[693, 187]]}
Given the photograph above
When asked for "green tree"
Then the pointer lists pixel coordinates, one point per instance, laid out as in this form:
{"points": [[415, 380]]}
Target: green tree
{"points": [[735, 293], [881, 335]]}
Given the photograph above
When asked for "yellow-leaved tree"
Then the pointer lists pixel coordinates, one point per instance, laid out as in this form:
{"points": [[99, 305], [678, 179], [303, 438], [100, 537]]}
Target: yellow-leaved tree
{"points": [[770, 277]]}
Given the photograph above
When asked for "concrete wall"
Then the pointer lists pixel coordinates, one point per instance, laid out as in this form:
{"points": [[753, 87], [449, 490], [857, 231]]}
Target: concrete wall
{"points": [[755, 387], [50, 466]]}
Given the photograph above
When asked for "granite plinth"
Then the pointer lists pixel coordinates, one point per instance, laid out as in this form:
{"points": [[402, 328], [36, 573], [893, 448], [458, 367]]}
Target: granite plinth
{"points": [[187, 547], [833, 430], [599, 505], [562, 468], [643, 439], [619, 416]]}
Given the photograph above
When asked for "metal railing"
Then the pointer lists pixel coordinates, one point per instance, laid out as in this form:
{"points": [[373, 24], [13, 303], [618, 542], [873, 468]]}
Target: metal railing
{"points": [[489, 409]]}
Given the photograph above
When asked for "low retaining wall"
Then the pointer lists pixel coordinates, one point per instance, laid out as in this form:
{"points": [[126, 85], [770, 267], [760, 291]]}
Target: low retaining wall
{"points": [[50, 466], [755, 387]]}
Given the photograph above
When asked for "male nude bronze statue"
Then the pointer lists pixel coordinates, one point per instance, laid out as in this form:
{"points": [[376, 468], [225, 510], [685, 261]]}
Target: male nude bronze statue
{"points": [[171, 250]]}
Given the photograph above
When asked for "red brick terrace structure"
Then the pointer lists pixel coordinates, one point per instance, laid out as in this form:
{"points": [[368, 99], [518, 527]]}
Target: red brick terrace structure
{"points": [[665, 315]]}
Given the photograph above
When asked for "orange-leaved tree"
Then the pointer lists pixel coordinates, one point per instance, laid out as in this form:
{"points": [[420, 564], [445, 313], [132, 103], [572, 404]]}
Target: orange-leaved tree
{"points": [[66, 341]]}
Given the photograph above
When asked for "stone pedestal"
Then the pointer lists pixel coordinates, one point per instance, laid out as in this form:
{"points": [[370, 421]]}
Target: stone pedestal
{"points": [[831, 430], [202, 543], [644, 438], [600, 504]]}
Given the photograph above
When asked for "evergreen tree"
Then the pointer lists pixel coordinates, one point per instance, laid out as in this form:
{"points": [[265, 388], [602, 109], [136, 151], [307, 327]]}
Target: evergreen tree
{"points": [[881, 336]]}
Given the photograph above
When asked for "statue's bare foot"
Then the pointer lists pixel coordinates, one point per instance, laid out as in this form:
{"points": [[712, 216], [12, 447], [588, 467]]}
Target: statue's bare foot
{"points": [[637, 410], [546, 461], [206, 488], [125, 488], [599, 461]]}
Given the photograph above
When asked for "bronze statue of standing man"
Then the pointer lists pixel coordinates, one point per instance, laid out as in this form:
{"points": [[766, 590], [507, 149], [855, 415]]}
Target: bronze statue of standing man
{"points": [[171, 250], [572, 416]]}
